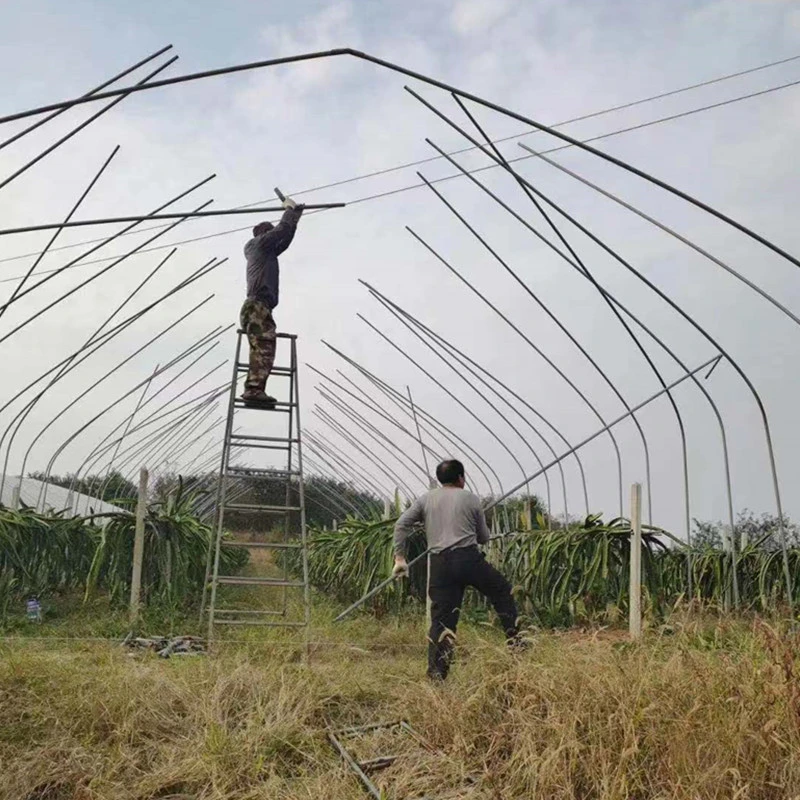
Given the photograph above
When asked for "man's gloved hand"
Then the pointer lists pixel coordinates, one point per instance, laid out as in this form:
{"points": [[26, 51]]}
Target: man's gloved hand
{"points": [[400, 567], [289, 203]]}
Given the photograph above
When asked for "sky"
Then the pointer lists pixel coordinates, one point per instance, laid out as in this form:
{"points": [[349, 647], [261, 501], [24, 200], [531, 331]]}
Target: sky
{"points": [[327, 121]]}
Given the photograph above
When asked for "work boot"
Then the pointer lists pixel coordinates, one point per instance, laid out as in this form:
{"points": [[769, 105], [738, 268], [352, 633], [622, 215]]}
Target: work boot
{"points": [[258, 398], [517, 645]]}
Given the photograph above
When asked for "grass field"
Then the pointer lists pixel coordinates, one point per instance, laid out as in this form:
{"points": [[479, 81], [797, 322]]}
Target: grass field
{"points": [[703, 710]]}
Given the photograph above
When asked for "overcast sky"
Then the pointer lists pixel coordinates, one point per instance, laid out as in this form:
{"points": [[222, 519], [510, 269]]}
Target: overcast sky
{"points": [[309, 125]]}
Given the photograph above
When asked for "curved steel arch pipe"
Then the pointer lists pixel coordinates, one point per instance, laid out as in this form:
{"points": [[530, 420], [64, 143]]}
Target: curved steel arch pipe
{"points": [[528, 340], [359, 54], [374, 408], [400, 400], [604, 376], [94, 385], [376, 435], [472, 366], [336, 460], [337, 426], [446, 391], [469, 383]]}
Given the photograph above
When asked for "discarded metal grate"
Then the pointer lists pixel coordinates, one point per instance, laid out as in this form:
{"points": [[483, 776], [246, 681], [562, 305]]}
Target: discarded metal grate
{"points": [[364, 768]]}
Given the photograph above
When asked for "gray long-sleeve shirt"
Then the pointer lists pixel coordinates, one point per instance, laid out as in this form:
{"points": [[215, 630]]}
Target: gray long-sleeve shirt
{"points": [[262, 254], [453, 518]]}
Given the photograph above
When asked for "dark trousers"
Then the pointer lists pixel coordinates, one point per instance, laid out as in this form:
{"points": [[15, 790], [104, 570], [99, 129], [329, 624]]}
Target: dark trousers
{"points": [[451, 572]]}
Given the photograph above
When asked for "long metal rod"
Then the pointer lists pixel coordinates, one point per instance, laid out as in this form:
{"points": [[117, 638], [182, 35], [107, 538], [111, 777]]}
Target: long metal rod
{"points": [[339, 462], [498, 158], [472, 366], [585, 273], [83, 427], [99, 88], [109, 373], [419, 434], [65, 370], [154, 416], [362, 448], [692, 321], [453, 397], [712, 362], [141, 218], [533, 346], [603, 375], [397, 397], [44, 153], [377, 436], [470, 384], [24, 279], [89, 280], [433, 82], [106, 241], [104, 339], [101, 447], [374, 408]]}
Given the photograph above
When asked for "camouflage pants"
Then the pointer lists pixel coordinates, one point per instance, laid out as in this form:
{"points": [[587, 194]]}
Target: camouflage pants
{"points": [[257, 322]]}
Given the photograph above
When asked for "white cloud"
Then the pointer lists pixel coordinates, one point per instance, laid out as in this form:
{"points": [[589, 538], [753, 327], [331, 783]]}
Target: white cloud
{"points": [[470, 17]]}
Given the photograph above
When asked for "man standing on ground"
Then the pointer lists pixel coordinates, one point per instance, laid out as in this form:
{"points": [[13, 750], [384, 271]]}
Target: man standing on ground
{"points": [[262, 252], [454, 525]]}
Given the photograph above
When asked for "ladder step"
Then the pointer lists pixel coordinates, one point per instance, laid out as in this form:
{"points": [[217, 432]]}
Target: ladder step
{"points": [[245, 611], [238, 437], [256, 622], [269, 509], [269, 545], [239, 580], [279, 335], [284, 372], [283, 408], [263, 473]]}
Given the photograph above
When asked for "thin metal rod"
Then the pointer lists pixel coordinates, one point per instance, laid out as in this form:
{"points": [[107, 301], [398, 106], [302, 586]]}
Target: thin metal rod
{"points": [[46, 152], [104, 242], [470, 384], [528, 340], [99, 88], [653, 397], [337, 460], [343, 465], [141, 218], [397, 397], [101, 449], [644, 327], [52, 239], [693, 322], [377, 436], [374, 408], [455, 399], [104, 339], [83, 427], [471, 366], [419, 434], [498, 158], [65, 370], [433, 82], [363, 449]]}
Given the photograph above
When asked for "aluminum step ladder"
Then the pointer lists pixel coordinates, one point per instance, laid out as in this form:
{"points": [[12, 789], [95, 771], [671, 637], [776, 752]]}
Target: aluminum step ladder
{"points": [[286, 416]]}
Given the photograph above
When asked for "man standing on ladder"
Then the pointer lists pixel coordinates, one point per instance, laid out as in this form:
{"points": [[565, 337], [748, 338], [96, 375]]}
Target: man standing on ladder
{"points": [[454, 525], [262, 252]]}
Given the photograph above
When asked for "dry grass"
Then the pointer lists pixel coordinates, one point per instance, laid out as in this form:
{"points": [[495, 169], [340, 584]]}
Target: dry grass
{"points": [[698, 714]]}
